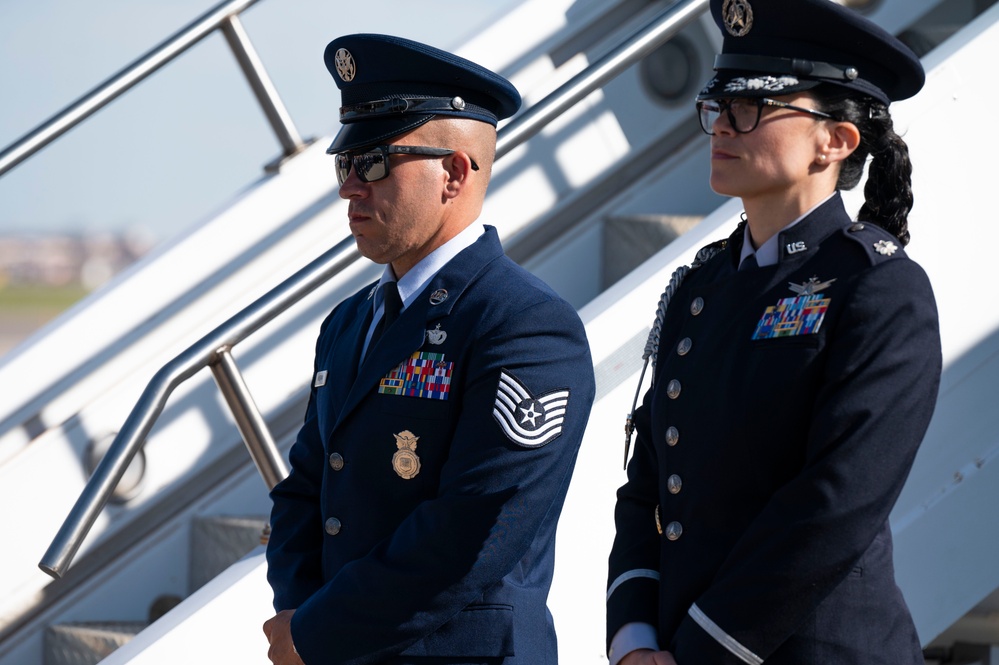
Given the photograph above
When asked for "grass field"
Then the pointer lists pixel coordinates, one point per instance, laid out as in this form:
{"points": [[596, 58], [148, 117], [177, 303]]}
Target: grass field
{"points": [[18, 298], [24, 309]]}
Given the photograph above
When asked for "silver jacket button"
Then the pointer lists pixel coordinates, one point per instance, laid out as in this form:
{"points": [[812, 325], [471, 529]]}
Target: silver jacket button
{"points": [[673, 389], [673, 484], [697, 306], [336, 461], [333, 526], [672, 436], [674, 530], [683, 348]]}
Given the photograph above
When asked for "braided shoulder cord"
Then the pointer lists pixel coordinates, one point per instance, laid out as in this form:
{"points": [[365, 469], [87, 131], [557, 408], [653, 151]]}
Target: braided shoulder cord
{"points": [[652, 344]]}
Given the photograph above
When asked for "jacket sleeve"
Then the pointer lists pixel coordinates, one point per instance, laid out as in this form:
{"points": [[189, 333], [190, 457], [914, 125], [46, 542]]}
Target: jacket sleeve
{"points": [[495, 497], [633, 570], [878, 392]]}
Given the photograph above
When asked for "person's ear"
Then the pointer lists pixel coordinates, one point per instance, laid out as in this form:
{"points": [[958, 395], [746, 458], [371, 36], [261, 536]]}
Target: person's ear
{"points": [[459, 167], [842, 139]]}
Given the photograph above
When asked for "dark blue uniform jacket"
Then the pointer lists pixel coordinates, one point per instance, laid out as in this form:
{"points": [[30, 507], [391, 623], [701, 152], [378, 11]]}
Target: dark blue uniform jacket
{"points": [[482, 387], [787, 407]]}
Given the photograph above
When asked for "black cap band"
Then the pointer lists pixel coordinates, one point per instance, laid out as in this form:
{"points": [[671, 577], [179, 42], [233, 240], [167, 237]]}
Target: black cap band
{"points": [[797, 66], [409, 105]]}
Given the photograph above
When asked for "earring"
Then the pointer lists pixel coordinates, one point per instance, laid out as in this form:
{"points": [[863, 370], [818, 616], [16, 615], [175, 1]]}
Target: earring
{"points": [[822, 158]]}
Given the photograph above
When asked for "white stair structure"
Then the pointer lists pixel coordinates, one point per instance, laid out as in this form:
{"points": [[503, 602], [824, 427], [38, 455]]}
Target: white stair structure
{"points": [[622, 161]]}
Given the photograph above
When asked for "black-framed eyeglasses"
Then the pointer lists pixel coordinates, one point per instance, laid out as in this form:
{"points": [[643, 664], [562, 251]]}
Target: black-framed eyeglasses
{"points": [[744, 114], [373, 164]]}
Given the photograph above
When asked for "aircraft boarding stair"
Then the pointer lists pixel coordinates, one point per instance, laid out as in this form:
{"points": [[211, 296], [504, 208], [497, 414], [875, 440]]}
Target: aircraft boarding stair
{"points": [[622, 164]]}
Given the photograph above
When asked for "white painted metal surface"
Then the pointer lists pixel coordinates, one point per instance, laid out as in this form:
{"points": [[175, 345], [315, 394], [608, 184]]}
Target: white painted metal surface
{"points": [[945, 535]]}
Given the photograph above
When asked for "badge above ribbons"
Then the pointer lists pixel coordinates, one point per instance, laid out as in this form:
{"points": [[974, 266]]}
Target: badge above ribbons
{"points": [[527, 420], [791, 317]]}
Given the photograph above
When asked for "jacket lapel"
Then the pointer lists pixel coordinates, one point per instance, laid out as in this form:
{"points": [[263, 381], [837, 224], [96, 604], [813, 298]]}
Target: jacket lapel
{"points": [[346, 354]]}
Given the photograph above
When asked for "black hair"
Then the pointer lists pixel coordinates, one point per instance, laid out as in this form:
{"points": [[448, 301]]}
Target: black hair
{"points": [[888, 192]]}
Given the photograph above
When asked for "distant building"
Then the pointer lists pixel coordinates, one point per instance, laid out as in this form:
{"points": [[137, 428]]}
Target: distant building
{"points": [[86, 260]]}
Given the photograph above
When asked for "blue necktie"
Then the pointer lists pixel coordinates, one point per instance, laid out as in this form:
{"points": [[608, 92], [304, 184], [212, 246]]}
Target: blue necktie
{"points": [[391, 307]]}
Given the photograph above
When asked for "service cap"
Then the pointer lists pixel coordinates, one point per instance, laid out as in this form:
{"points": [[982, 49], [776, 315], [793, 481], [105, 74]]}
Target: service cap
{"points": [[779, 47], [390, 85]]}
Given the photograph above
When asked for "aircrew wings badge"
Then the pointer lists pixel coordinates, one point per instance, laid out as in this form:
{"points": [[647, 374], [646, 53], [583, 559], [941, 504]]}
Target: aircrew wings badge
{"points": [[527, 420]]}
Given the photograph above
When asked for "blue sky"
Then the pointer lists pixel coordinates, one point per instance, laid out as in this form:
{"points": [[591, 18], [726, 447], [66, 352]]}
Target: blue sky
{"points": [[183, 142]]}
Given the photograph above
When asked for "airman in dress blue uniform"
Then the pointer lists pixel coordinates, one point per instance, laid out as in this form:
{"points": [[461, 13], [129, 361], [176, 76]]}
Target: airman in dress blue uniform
{"points": [[448, 400], [795, 369]]}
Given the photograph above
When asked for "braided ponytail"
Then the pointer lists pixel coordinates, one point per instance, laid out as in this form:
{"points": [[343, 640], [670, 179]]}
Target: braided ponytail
{"points": [[888, 192]]}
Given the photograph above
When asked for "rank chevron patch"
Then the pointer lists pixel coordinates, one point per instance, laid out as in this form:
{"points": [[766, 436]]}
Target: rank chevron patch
{"points": [[527, 420]]}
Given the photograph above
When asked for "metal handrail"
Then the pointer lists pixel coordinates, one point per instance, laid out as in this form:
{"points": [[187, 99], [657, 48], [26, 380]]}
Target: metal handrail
{"points": [[214, 349], [225, 17]]}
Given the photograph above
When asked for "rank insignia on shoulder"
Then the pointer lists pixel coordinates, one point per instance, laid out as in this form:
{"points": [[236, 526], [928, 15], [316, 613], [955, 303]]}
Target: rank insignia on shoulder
{"points": [[885, 247], [425, 375], [527, 420], [320, 379]]}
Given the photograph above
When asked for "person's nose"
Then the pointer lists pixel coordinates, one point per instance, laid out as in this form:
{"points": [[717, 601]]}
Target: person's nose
{"points": [[723, 124], [353, 187]]}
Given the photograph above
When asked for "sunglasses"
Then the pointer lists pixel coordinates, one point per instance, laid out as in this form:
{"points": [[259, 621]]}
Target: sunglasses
{"points": [[373, 164], [744, 114]]}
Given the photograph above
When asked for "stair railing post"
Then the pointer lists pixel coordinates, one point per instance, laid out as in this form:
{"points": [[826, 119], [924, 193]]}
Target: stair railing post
{"points": [[263, 89], [250, 422]]}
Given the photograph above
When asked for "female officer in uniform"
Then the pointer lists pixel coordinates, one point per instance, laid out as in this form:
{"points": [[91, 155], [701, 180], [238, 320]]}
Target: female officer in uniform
{"points": [[795, 368]]}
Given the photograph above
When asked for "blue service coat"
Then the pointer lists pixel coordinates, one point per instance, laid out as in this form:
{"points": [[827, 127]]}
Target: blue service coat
{"points": [[786, 410], [417, 524]]}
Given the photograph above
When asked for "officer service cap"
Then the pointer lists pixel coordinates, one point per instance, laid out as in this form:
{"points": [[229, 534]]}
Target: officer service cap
{"points": [[390, 85], [779, 47]]}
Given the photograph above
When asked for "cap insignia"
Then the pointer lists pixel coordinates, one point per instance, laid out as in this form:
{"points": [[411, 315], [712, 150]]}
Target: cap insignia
{"points": [[345, 66], [738, 16]]}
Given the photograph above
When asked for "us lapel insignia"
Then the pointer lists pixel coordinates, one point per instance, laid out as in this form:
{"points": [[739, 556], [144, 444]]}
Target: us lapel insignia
{"points": [[405, 461], [423, 374], [527, 420], [320, 380], [438, 296], [371, 293], [795, 247], [436, 336], [885, 247], [791, 317]]}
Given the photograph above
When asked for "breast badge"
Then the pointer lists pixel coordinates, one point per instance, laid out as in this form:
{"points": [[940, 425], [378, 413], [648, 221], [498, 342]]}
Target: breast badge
{"points": [[405, 461], [436, 336], [527, 420]]}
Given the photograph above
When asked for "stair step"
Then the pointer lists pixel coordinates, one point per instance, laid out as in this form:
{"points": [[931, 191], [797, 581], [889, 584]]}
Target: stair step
{"points": [[632, 239], [218, 541], [87, 643]]}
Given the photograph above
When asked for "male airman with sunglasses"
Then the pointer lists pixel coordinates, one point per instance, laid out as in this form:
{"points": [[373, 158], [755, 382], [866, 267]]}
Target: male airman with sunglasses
{"points": [[448, 399]]}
